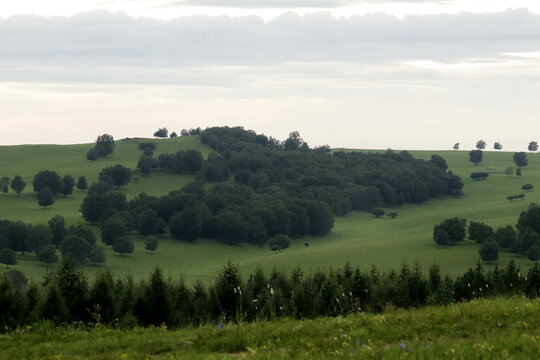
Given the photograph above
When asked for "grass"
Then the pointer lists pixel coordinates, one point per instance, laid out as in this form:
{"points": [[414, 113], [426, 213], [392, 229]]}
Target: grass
{"points": [[495, 328], [358, 238]]}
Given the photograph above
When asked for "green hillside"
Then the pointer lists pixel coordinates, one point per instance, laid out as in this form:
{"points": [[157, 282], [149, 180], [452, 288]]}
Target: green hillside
{"points": [[483, 329], [359, 238]]}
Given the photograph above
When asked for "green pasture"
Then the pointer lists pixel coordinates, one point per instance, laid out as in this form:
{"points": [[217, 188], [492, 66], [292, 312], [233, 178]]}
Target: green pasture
{"points": [[358, 238], [501, 328]]}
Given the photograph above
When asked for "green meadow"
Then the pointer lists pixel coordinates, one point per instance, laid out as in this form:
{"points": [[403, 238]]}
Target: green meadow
{"points": [[502, 328], [358, 238]]}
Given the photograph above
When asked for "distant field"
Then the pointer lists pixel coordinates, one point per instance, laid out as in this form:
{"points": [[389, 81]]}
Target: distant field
{"points": [[482, 329], [358, 238]]}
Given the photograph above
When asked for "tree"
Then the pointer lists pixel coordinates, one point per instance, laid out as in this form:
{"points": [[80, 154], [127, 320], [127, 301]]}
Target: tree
{"points": [[186, 225], [151, 243], [479, 175], [97, 254], [439, 161], [533, 146], [279, 242], [518, 172], [123, 245], [92, 155], [393, 215], [377, 212], [489, 251], [112, 229], [67, 185], [76, 248], [456, 146], [480, 144], [4, 184], [116, 175], [294, 142], [45, 197], [81, 183], [450, 231], [147, 223], [104, 145], [534, 252], [38, 236], [527, 187], [479, 232], [47, 254], [7, 257], [18, 184], [475, 156], [505, 237], [520, 159], [48, 179], [497, 146], [57, 224], [161, 133], [92, 207], [173, 135]]}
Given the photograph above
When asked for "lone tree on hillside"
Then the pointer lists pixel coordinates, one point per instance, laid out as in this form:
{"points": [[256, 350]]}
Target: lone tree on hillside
{"points": [[104, 145], [67, 185], [279, 242], [527, 187], [475, 156], [489, 251], [45, 197], [480, 144], [520, 159], [82, 184], [456, 146], [533, 146], [151, 243], [497, 146], [161, 133], [18, 184]]}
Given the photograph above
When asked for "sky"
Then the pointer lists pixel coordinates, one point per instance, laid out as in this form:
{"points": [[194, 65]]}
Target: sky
{"points": [[409, 74]]}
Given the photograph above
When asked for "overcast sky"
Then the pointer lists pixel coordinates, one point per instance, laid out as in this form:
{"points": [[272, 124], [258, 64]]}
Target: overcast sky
{"points": [[414, 74]]}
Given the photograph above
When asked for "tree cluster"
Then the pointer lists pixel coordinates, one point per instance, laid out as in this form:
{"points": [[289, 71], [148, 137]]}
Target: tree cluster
{"points": [[17, 184], [67, 295], [45, 241], [104, 147]]}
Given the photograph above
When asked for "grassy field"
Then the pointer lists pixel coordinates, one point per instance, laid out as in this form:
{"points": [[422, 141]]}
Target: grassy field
{"points": [[482, 329], [358, 238]]}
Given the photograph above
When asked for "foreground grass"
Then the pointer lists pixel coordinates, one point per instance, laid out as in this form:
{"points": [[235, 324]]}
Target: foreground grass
{"points": [[497, 328]]}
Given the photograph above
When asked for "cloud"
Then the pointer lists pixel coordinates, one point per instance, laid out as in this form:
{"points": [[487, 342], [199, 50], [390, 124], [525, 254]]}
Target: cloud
{"points": [[116, 48]]}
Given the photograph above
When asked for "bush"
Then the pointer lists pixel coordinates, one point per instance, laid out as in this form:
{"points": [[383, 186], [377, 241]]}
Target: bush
{"points": [[479, 175], [123, 245], [450, 231], [489, 251], [377, 212]]}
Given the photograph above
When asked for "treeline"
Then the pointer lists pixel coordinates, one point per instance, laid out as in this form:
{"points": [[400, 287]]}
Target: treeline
{"points": [[229, 213], [345, 181], [76, 242], [66, 295], [523, 239]]}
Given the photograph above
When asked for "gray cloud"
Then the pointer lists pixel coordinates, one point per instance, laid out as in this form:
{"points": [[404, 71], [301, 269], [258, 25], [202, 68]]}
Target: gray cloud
{"points": [[113, 47]]}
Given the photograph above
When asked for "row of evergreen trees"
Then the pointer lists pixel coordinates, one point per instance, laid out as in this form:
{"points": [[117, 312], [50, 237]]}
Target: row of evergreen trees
{"points": [[66, 295]]}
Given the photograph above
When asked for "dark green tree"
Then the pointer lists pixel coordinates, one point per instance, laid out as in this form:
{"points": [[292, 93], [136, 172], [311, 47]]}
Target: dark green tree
{"points": [[533, 146], [186, 225], [497, 146], [450, 231], [279, 242], [505, 237], [123, 245], [527, 187], [47, 254], [489, 251], [475, 156], [76, 248], [439, 161], [148, 223], [534, 252], [99, 188], [479, 232], [112, 229], [520, 159], [92, 155], [48, 179], [116, 175], [151, 243], [97, 254], [67, 185], [173, 135], [479, 175], [378, 212], [293, 142], [92, 207], [480, 144], [81, 183], [456, 146], [161, 133], [18, 184], [104, 145], [45, 197], [38, 236], [57, 224], [7, 257]]}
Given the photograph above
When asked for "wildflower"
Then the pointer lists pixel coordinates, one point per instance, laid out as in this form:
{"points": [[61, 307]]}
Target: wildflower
{"points": [[350, 293], [254, 301], [219, 325], [387, 346], [343, 336], [402, 345], [271, 291]]}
